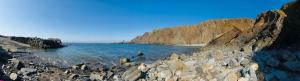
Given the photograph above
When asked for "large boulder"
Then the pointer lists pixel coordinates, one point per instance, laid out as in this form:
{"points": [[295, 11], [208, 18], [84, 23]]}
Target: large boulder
{"points": [[28, 71]]}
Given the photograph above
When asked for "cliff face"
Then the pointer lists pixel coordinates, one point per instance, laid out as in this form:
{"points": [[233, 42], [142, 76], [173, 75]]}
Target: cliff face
{"points": [[196, 34], [272, 29]]}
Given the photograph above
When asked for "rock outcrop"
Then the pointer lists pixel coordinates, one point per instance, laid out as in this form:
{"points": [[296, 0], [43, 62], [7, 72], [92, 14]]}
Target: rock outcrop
{"points": [[196, 34], [38, 42]]}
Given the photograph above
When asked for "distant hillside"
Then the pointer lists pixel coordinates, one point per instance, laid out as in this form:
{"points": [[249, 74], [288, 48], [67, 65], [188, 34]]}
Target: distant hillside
{"points": [[195, 34]]}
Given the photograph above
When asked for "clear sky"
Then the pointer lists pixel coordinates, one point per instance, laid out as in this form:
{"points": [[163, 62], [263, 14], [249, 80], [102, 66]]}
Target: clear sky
{"points": [[116, 20]]}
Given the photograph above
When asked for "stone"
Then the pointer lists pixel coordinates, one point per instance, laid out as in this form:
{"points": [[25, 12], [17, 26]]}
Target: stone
{"points": [[131, 74], [243, 79], [231, 77], [174, 57], [28, 71], [124, 60], [166, 74], [83, 67], [233, 63], [75, 67], [73, 76], [140, 54], [109, 74], [17, 64], [205, 68], [218, 55], [13, 76], [245, 72], [142, 67], [254, 66], [273, 62], [67, 72], [245, 62], [96, 76]]}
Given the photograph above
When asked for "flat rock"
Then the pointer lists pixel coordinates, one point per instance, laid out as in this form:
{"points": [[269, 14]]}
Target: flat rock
{"points": [[28, 71]]}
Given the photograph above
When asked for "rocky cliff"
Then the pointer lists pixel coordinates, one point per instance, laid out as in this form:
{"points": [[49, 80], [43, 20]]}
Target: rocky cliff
{"points": [[39, 42], [196, 34]]}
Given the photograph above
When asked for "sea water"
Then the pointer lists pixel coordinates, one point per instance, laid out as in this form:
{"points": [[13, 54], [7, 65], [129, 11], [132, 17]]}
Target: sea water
{"points": [[108, 53]]}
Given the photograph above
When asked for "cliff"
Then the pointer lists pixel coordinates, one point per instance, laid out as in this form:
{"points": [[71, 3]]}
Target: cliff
{"points": [[195, 34]]}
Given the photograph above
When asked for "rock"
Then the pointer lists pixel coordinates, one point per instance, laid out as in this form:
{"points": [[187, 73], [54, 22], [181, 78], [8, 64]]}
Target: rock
{"points": [[39, 42], [13, 76], [96, 76], [83, 67], [245, 72], [166, 75], [205, 68], [28, 71], [273, 62], [142, 67], [253, 76], [231, 77], [218, 55], [243, 79], [73, 76], [254, 66], [174, 57], [67, 72], [17, 64], [245, 62], [233, 63], [75, 67], [131, 74], [188, 35], [109, 74], [124, 60], [140, 54]]}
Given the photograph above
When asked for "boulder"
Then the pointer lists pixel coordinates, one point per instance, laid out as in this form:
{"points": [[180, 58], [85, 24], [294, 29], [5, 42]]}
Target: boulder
{"points": [[96, 76], [16, 63], [75, 67], [233, 63], [140, 54], [254, 66], [218, 55], [28, 71], [174, 57], [124, 60], [132, 74], [73, 76], [13, 76], [164, 75], [243, 79], [142, 67], [83, 67], [67, 72], [245, 62], [231, 77]]}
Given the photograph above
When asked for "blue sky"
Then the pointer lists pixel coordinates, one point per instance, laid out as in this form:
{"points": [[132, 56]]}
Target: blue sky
{"points": [[116, 20]]}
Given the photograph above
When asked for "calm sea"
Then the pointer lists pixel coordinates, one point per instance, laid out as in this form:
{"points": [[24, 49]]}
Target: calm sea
{"points": [[75, 53]]}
